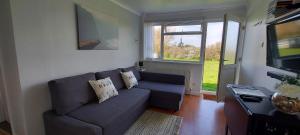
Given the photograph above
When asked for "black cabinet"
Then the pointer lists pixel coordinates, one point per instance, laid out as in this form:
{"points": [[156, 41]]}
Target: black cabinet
{"points": [[257, 118]]}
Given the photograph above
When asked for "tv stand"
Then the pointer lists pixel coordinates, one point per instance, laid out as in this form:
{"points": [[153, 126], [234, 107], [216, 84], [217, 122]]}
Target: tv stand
{"points": [[257, 118]]}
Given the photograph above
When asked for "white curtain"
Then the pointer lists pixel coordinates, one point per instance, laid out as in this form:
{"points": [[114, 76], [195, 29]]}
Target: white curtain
{"points": [[148, 41]]}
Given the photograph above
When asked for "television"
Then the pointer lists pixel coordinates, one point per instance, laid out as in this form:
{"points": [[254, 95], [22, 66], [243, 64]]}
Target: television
{"points": [[283, 44]]}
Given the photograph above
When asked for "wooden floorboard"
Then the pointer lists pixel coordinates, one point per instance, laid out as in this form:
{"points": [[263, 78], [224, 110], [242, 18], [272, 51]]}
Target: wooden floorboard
{"points": [[5, 128], [210, 97], [200, 116]]}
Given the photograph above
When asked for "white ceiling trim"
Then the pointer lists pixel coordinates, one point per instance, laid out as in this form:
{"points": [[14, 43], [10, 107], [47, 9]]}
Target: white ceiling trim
{"points": [[126, 7]]}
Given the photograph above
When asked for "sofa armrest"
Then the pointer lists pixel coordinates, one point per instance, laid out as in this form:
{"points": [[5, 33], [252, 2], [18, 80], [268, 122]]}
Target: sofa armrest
{"points": [[65, 125], [163, 78]]}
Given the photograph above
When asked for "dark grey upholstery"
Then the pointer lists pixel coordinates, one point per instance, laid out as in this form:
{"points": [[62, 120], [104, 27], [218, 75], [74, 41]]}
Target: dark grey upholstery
{"points": [[164, 95], [65, 125], [77, 112], [163, 78], [117, 114], [115, 76], [134, 70], [72, 92]]}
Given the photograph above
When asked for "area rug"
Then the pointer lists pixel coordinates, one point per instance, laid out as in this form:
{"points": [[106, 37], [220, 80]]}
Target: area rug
{"points": [[155, 123]]}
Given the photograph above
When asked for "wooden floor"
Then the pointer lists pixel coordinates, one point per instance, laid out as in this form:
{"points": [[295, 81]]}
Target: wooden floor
{"points": [[5, 128], [201, 116]]}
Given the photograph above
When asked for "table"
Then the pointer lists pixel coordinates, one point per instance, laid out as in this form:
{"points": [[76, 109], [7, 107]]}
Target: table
{"points": [[257, 118]]}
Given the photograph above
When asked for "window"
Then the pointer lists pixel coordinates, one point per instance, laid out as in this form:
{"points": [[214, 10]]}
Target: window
{"points": [[176, 42], [231, 42], [183, 28], [156, 42]]}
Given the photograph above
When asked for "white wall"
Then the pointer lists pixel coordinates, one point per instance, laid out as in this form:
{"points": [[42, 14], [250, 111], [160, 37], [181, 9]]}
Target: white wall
{"points": [[254, 69], [3, 105], [46, 48], [2, 100], [9, 67], [195, 14]]}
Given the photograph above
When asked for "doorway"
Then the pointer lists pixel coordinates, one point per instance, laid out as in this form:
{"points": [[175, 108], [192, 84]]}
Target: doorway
{"points": [[212, 57]]}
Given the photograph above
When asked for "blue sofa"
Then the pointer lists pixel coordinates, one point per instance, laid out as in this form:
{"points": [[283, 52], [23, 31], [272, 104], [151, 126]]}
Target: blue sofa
{"points": [[75, 110]]}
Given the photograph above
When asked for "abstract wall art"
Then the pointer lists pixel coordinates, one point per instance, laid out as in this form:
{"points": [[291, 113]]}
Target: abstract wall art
{"points": [[95, 30]]}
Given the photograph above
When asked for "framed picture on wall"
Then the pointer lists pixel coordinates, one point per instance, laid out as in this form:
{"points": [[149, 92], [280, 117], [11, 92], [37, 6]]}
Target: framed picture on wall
{"points": [[96, 30]]}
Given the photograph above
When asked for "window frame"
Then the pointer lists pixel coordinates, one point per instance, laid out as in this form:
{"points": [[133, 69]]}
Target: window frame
{"points": [[201, 32]]}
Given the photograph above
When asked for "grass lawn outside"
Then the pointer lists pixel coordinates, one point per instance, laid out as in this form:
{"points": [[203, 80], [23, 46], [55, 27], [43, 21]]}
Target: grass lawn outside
{"points": [[210, 78]]}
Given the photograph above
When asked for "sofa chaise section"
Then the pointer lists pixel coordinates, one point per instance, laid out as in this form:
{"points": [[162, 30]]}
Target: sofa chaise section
{"points": [[167, 90], [163, 95]]}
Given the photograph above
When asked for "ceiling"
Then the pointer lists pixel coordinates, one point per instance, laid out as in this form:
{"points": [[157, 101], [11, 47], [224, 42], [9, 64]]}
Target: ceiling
{"points": [[158, 6]]}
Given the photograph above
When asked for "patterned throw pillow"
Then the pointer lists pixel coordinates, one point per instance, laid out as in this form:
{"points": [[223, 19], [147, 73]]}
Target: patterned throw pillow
{"points": [[104, 88], [129, 79]]}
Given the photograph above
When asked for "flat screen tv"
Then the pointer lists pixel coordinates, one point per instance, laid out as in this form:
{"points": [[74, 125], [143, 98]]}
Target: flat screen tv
{"points": [[283, 44]]}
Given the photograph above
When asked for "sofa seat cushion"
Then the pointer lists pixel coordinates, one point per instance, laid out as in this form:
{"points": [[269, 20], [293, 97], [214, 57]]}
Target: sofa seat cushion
{"points": [[164, 95], [116, 114], [162, 87]]}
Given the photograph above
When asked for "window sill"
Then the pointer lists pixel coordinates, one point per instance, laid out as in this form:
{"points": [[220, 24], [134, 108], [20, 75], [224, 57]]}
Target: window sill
{"points": [[173, 62]]}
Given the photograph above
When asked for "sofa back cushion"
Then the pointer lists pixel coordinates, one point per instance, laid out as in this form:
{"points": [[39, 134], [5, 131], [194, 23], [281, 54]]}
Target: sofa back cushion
{"points": [[115, 76], [134, 70], [69, 93]]}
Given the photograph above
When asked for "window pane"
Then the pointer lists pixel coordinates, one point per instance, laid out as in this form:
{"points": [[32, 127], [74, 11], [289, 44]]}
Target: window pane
{"points": [[213, 41], [182, 47], [183, 28], [156, 41], [231, 42]]}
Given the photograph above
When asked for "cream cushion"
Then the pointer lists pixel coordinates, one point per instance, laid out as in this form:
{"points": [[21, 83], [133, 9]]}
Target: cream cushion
{"points": [[104, 88], [129, 79]]}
